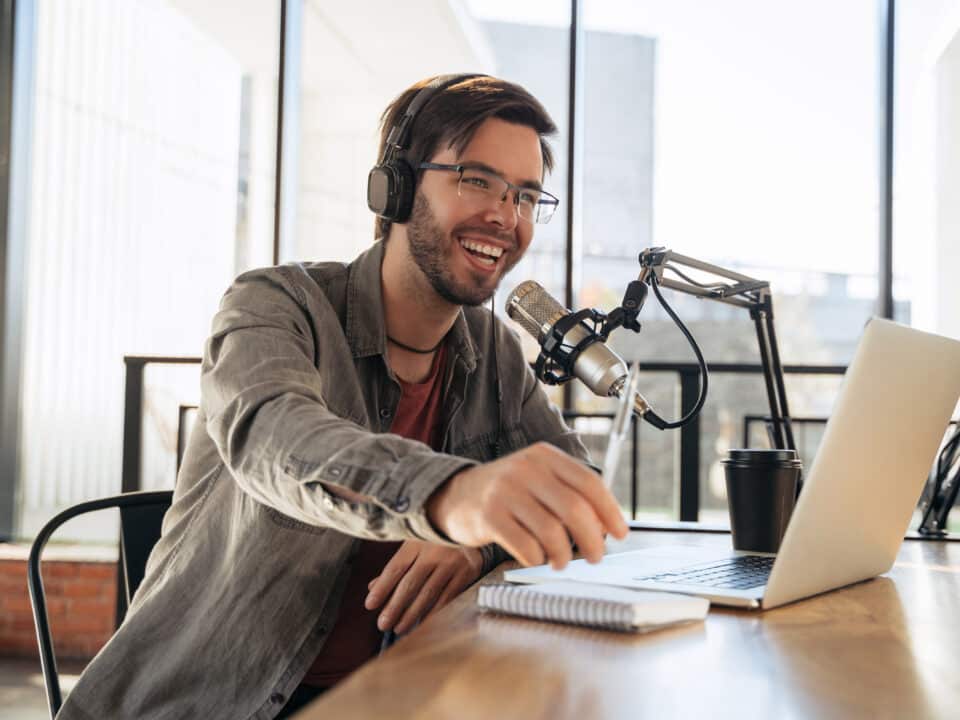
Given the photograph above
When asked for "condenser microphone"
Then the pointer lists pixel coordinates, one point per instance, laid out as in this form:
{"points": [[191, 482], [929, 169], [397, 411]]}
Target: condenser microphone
{"points": [[596, 365]]}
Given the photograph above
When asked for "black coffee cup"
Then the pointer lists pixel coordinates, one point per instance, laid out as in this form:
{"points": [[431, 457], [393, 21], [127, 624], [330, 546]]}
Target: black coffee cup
{"points": [[761, 491]]}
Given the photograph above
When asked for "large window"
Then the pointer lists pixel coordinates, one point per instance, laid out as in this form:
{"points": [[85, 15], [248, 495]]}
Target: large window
{"points": [[152, 186], [716, 130], [742, 133]]}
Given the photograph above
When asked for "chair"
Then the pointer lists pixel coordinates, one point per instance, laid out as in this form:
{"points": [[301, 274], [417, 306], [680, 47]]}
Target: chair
{"points": [[141, 515]]}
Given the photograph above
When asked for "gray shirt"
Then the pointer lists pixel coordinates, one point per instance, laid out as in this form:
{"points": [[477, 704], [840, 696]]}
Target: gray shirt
{"points": [[244, 585]]}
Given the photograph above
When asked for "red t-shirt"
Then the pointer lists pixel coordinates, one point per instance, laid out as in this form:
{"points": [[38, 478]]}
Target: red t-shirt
{"points": [[355, 637]]}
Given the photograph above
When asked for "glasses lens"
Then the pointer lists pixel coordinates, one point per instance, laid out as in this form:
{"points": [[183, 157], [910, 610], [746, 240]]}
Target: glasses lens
{"points": [[482, 187], [479, 184], [545, 209]]}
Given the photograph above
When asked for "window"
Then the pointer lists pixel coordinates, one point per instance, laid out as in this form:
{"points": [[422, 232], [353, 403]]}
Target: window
{"points": [[152, 186]]}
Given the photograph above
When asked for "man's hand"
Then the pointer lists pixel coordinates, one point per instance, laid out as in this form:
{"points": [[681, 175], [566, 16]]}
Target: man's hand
{"points": [[420, 577], [531, 502]]}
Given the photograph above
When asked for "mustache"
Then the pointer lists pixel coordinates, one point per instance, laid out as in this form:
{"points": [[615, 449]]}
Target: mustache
{"points": [[504, 236]]}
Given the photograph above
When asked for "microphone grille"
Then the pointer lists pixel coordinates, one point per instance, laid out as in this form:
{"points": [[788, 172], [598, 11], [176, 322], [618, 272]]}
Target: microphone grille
{"points": [[534, 308]]}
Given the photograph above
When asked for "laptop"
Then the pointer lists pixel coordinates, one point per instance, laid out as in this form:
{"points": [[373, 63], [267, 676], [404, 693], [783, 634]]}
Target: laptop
{"points": [[894, 405]]}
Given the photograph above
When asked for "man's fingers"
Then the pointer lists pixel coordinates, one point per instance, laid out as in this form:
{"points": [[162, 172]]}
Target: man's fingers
{"points": [[589, 485], [517, 540], [424, 600], [577, 515], [547, 529], [403, 595]]}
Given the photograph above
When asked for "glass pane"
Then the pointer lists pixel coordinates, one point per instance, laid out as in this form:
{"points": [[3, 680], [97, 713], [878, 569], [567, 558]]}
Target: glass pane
{"points": [[352, 69], [152, 180], [767, 168], [927, 172], [742, 134], [927, 165]]}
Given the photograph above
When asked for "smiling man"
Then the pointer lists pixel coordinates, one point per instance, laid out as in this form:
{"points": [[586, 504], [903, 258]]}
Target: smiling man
{"points": [[370, 439]]}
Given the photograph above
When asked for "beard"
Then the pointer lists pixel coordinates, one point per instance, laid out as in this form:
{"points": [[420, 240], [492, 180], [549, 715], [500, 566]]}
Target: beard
{"points": [[432, 256]]}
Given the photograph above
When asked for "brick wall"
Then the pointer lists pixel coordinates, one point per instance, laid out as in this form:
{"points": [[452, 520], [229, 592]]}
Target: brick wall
{"points": [[81, 606]]}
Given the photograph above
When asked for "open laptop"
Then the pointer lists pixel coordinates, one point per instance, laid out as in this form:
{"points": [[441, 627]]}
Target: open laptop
{"points": [[878, 447]]}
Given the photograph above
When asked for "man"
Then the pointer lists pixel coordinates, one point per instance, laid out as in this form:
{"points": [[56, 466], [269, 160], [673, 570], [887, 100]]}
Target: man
{"points": [[368, 440]]}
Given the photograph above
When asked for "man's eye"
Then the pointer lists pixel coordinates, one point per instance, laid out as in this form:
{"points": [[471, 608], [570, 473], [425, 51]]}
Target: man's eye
{"points": [[481, 183], [528, 197]]}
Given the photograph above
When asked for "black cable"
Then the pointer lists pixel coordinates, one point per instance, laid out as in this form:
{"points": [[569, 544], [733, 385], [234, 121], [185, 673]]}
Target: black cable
{"points": [[705, 286], [497, 448], [651, 416], [938, 506]]}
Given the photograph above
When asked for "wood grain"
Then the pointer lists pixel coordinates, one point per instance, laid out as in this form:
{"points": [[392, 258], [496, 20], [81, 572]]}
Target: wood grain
{"points": [[886, 648]]}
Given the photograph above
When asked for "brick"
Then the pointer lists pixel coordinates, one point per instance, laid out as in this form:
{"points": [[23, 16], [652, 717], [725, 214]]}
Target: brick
{"points": [[80, 624], [86, 589], [19, 603], [57, 569], [56, 606], [11, 575], [96, 607], [100, 571], [20, 624]]}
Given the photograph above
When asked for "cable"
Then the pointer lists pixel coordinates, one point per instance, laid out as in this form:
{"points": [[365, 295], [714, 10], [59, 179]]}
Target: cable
{"points": [[943, 488], [705, 286], [651, 416]]}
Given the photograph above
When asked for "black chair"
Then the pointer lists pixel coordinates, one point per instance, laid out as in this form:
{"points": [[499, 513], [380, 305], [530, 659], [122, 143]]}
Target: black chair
{"points": [[141, 515]]}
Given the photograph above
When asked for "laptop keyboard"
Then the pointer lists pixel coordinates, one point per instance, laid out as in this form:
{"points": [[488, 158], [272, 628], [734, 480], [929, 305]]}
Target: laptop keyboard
{"points": [[738, 573]]}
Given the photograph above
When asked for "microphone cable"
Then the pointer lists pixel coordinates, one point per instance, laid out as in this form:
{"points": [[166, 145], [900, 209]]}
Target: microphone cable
{"points": [[651, 417]]}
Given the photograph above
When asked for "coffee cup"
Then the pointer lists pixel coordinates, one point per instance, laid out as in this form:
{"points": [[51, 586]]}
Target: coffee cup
{"points": [[761, 492]]}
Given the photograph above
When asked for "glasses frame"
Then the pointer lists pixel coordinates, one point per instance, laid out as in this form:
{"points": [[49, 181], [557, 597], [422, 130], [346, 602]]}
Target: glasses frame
{"points": [[546, 199]]}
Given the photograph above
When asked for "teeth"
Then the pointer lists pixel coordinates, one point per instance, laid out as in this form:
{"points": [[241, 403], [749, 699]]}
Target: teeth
{"points": [[490, 250]]}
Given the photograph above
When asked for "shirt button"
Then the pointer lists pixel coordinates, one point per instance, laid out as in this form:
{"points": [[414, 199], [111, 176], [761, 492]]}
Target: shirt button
{"points": [[277, 698], [385, 413], [402, 504]]}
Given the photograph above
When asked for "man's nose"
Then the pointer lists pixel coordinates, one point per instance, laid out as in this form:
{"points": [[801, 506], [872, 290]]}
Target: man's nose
{"points": [[503, 212]]}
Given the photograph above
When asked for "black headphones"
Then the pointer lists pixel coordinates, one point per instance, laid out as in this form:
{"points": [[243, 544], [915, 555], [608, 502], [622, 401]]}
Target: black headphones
{"points": [[392, 182]]}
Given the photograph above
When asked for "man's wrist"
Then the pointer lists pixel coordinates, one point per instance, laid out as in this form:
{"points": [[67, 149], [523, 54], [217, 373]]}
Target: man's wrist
{"points": [[436, 504]]}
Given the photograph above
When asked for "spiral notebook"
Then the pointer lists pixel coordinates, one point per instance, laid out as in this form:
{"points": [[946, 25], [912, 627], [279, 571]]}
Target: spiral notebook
{"points": [[599, 606]]}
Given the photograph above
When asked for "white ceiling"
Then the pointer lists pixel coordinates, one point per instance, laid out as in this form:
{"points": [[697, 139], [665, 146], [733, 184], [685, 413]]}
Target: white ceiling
{"points": [[373, 45]]}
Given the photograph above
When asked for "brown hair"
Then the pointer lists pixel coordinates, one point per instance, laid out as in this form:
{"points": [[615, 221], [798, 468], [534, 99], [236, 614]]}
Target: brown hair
{"points": [[452, 116]]}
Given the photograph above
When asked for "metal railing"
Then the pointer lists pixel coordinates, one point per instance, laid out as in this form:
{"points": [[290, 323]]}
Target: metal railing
{"points": [[688, 375]]}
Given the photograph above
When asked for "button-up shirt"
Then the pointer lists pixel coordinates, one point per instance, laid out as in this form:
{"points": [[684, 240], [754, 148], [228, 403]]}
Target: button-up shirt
{"points": [[297, 398]]}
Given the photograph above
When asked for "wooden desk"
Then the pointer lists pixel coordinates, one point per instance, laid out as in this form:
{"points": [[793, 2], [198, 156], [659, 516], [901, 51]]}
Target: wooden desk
{"points": [[886, 648]]}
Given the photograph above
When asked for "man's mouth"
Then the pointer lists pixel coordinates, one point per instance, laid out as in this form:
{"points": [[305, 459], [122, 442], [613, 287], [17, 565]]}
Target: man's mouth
{"points": [[483, 253]]}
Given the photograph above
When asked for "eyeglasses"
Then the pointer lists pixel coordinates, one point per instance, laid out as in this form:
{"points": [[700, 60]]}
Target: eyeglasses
{"points": [[481, 187]]}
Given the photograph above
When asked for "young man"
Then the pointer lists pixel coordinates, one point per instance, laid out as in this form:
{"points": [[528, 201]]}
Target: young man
{"points": [[368, 440]]}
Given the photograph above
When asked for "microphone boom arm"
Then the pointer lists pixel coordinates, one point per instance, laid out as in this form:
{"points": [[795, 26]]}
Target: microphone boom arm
{"points": [[742, 291]]}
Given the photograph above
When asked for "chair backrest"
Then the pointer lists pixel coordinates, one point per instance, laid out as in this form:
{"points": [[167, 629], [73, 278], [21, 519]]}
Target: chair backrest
{"points": [[141, 515]]}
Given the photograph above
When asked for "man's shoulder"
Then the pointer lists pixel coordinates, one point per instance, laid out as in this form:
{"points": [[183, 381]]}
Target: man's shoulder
{"points": [[300, 281]]}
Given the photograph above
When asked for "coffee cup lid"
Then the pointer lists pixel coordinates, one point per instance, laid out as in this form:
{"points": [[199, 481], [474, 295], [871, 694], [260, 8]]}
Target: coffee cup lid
{"points": [[761, 456]]}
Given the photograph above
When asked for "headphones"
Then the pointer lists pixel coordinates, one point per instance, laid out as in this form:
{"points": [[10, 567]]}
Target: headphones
{"points": [[392, 182]]}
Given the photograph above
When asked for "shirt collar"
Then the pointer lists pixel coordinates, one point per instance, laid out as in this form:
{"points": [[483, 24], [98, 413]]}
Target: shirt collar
{"points": [[365, 326]]}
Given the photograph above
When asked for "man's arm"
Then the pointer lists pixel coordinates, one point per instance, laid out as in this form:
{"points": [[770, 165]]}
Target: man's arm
{"points": [[266, 413], [541, 421]]}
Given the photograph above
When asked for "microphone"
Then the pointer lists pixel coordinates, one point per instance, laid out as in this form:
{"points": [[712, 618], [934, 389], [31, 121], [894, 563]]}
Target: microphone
{"points": [[596, 365]]}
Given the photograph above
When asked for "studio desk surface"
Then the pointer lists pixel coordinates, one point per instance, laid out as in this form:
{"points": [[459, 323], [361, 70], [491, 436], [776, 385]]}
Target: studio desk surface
{"points": [[885, 648]]}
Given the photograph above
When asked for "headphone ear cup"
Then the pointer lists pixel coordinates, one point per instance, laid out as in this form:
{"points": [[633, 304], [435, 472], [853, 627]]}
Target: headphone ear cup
{"points": [[390, 190], [406, 187]]}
